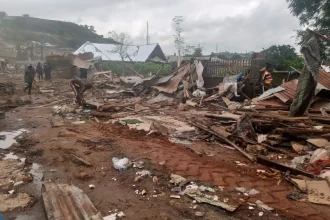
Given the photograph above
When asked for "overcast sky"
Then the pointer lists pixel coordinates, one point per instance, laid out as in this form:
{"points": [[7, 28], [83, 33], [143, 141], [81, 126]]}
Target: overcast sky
{"points": [[235, 25]]}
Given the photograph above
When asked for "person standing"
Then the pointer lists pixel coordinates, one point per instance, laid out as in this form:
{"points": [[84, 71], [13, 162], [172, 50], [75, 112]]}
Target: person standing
{"points": [[48, 71], [28, 78], [267, 78], [39, 71]]}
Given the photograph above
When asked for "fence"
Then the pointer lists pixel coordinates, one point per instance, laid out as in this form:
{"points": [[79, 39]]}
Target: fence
{"points": [[221, 68]]}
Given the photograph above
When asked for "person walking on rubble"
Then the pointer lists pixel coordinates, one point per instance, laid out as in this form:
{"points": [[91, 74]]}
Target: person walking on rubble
{"points": [[28, 78], [39, 71], [78, 87]]}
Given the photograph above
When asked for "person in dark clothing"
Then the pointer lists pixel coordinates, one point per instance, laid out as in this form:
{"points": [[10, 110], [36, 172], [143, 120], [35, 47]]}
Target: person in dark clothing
{"points": [[48, 71], [83, 73], [28, 78], [39, 71], [79, 87]]}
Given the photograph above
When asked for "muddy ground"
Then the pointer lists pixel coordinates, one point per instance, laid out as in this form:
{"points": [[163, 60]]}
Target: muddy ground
{"points": [[48, 151]]}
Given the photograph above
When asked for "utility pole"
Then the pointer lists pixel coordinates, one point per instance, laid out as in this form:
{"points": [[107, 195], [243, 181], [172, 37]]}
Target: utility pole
{"points": [[148, 38]]}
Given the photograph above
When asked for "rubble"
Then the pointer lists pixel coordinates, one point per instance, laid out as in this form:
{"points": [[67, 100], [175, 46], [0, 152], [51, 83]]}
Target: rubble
{"points": [[178, 108], [10, 202]]}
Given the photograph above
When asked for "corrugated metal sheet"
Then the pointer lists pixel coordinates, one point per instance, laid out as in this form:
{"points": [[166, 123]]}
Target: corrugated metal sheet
{"points": [[270, 92], [289, 91], [62, 201], [106, 51], [324, 78], [290, 88]]}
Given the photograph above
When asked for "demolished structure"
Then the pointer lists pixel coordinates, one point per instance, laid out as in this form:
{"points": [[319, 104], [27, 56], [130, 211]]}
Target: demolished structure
{"points": [[235, 145]]}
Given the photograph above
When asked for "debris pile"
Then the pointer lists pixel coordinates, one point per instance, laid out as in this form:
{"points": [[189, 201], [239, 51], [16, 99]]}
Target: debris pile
{"points": [[7, 88]]}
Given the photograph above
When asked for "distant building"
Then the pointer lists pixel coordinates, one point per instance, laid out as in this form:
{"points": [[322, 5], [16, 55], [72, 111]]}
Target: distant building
{"points": [[107, 52]]}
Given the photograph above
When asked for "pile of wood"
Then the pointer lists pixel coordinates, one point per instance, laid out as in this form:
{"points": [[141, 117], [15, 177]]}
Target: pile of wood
{"points": [[258, 133]]}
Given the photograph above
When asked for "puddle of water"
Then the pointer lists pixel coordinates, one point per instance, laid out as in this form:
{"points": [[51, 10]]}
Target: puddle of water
{"points": [[10, 156], [10, 138], [37, 173]]}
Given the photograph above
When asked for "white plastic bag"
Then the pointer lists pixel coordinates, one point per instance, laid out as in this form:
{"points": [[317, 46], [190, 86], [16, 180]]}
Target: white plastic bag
{"points": [[121, 164]]}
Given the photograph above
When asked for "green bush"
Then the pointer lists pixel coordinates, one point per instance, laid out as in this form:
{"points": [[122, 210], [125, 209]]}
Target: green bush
{"points": [[143, 68]]}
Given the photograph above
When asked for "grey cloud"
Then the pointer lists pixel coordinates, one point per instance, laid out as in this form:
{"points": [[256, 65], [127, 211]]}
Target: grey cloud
{"points": [[235, 25]]}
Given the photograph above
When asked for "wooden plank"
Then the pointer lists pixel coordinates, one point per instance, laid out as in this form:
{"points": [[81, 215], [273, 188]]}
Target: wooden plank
{"points": [[223, 116], [203, 127], [81, 160], [62, 201]]}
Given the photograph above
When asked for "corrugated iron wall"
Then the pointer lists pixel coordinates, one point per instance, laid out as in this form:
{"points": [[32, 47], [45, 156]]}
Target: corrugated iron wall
{"points": [[223, 68]]}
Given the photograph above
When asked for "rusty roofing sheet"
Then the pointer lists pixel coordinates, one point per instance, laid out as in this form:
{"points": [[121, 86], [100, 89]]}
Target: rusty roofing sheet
{"points": [[62, 201], [290, 87], [289, 92], [324, 78]]}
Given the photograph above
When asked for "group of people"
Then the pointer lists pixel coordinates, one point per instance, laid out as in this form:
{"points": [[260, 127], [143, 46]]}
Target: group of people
{"points": [[44, 70], [40, 71], [78, 86]]}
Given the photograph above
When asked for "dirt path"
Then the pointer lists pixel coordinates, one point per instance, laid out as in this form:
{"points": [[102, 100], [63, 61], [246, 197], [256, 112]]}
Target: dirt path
{"points": [[115, 191]]}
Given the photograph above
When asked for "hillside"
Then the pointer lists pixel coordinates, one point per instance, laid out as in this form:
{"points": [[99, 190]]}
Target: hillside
{"points": [[21, 30]]}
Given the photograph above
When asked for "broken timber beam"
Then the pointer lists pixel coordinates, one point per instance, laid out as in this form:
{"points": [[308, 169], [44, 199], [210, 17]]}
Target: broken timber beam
{"points": [[49, 104], [294, 130], [203, 127], [224, 116]]}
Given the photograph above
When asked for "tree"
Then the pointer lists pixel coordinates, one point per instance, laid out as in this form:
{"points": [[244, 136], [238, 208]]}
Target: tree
{"points": [[198, 51], [282, 57], [222, 56], [188, 50], [2, 14], [236, 57], [178, 38], [124, 41], [26, 15], [92, 28], [315, 14]]}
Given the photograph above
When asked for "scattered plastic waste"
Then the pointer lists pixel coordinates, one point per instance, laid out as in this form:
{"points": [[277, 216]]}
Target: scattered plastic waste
{"points": [[121, 214], [110, 217], [199, 214], [175, 196], [253, 192], [205, 188], [155, 179], [138, 164], [78, 122], [190, 189], [264, 206], [121, 164], [143, 173], [177, 179]]}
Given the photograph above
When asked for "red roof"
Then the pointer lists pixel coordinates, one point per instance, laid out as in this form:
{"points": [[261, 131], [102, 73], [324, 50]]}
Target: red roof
{"points": [[324, 78], [289, 92]]}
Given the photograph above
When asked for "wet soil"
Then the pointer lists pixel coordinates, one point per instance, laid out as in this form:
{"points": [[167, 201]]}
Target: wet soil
{"points": [[48, 151]]}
